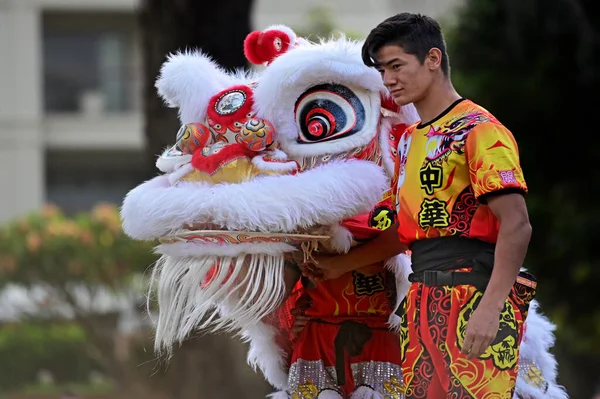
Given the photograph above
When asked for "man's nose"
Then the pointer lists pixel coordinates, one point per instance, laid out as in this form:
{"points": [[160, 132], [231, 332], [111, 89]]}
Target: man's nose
{"points": [[389, 79]]}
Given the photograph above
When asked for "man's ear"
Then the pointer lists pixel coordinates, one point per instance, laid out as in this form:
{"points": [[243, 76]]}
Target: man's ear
{"points": [[434, 59]]}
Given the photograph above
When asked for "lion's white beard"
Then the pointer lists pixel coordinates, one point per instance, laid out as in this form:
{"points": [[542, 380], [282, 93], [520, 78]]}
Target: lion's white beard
{"points": [[230, 302]]}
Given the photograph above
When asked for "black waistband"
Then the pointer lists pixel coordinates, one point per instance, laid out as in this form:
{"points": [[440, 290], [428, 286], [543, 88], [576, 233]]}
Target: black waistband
{"points": [[452, 252]]}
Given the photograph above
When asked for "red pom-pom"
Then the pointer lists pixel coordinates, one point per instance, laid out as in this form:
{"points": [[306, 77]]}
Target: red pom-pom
{"points": [[265, 46], [249, 47]]}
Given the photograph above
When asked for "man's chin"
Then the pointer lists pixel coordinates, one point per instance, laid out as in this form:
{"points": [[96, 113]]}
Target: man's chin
{"points": [[401, 100]]}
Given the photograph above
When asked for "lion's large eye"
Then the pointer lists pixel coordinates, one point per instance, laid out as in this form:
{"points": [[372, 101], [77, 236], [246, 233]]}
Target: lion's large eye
{"points": [[328, 112]]}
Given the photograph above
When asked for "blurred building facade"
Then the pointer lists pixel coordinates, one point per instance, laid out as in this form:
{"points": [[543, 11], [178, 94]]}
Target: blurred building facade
{"points": [[70, 95]]}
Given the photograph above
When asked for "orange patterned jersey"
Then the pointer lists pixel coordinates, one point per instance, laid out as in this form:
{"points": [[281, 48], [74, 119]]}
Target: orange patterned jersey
{"points": [[445, 169]]}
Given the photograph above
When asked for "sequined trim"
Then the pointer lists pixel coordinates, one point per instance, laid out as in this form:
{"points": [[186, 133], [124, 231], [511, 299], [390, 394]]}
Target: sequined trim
{"points": [[309, 378], [532, 375], [383, 377]]}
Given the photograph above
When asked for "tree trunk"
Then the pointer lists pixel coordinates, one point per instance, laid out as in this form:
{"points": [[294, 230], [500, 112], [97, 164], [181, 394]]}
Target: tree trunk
{"points": [[218, 28], [212, 366]]}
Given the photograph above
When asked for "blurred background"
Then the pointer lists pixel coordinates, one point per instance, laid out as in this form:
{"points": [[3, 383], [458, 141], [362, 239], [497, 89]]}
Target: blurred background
{"points": [[80, 125]]}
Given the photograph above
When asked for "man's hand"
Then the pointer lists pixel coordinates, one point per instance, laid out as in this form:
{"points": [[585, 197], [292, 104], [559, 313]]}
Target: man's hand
{"points": [[325, 267], [299, 324], [481, 331]]}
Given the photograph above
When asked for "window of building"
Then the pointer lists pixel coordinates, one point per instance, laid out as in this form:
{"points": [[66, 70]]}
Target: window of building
{"points": [[89, 63], [76, 181]]}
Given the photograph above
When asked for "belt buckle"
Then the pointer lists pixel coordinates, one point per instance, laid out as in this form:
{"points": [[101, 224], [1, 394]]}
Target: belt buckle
{"points": [[438, 278], [430, 277], [446, 279]]}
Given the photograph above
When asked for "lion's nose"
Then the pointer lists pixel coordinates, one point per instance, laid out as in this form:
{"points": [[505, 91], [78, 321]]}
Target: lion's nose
{"points": [[257, 134]]}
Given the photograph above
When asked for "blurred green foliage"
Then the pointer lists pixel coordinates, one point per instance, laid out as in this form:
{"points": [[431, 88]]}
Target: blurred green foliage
{"points": [[26, 348], [89, 248], [87, 254]]}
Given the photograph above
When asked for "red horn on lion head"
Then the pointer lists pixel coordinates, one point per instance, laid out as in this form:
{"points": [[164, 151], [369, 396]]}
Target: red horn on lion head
{"points": [[262, 47]]}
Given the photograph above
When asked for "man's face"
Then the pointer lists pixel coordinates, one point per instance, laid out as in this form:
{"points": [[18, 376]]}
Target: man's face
{"points": [[403, 74]]}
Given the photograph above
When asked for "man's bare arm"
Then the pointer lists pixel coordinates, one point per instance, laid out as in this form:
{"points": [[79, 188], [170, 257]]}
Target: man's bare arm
{"points": [[511, 247], [381, 248]]}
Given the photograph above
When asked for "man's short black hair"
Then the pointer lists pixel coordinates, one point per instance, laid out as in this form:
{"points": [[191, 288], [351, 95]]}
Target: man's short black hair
{"points": [[415, 33]]}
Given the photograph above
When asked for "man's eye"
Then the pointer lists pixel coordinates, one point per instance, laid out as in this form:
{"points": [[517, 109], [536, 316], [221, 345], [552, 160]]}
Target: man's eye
{"points": [[396, 67]]}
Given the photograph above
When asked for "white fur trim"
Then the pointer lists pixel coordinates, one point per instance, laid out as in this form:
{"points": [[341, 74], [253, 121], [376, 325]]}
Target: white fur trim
{"points": [[168, 164], [400, 265], [277, 166], [341, 238], [394, 322], [365, 393], [321, 196], [266, 355], [385, 126], [331, 61], [535, 346], [183, 249], [409, 114], [180, 172]]}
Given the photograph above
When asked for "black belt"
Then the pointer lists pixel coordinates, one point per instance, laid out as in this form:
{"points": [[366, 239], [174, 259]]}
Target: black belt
{"points": [[435, 261], [438, 277]]}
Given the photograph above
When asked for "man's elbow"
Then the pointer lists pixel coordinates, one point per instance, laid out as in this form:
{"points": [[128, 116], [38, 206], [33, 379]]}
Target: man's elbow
{"points": [[521, 226]]}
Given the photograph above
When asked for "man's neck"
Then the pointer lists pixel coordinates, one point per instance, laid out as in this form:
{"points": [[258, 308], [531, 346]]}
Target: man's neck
{"points": [[438, 98]]}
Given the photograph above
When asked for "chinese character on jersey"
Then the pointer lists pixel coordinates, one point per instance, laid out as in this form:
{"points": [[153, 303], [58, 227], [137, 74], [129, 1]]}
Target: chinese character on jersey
{"points": [[382, 218], [431, 177], [433, 213], [365, 285]]}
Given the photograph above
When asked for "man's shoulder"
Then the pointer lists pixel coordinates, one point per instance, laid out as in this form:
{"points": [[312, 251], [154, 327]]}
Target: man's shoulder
{"points": [[481, 117]]}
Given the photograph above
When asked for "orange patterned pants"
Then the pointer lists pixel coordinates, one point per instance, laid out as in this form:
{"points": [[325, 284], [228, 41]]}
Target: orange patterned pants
{"points": [[432, 332]]}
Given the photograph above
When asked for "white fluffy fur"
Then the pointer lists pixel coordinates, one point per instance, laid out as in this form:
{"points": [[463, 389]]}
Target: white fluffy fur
{"points": [[401, 266], [169, 164], [385, 126], [180, 172], [188, 80], [341, 238], [333, 61], [266, 355], [365, 393], [181, 249], [407, 115], [320, 196], [536, 344]]}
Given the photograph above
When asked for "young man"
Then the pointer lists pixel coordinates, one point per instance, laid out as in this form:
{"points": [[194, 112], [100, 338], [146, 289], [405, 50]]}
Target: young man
{"points": [[461, 210]]}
